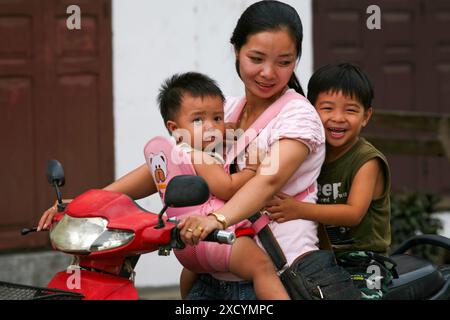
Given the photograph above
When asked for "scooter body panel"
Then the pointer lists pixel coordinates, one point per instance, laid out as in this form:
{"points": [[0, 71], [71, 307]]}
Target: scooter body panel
{"points": [[94, 285], [122, 213]]}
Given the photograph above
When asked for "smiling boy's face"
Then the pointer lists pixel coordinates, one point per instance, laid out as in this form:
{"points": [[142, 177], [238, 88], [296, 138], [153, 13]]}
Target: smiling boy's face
{"points": [[343, 118]]}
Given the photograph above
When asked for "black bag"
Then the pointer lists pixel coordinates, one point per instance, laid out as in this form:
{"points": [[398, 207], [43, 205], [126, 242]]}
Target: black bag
{"points": [[316, 276]]}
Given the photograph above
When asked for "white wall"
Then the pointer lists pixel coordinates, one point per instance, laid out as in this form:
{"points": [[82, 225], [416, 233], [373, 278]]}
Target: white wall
{"points": [[151, 41]]}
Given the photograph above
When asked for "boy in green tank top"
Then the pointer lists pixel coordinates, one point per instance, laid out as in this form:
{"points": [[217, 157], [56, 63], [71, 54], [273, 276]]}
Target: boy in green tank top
{"points": [[354, 184]]}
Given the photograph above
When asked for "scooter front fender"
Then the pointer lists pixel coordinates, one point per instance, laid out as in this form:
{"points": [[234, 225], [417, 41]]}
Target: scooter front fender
{"points": [[94, 285]]}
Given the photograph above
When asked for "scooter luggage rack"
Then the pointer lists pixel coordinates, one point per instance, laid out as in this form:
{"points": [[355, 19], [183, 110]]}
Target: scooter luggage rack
{"points": [[12, 291]]}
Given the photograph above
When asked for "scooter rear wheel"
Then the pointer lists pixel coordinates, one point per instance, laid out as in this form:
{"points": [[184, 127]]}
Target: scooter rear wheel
{"points": [[445, 270]]}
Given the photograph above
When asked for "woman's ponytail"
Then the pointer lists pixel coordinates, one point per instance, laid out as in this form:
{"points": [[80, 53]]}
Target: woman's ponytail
{"points": [[295, 84]]}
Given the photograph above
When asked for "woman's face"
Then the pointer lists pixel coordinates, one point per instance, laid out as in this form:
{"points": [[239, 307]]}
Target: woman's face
{"points": [[266, 62]]}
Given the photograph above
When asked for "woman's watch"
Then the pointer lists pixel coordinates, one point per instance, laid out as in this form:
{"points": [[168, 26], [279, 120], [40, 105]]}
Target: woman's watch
{"points": [[220, 218]]}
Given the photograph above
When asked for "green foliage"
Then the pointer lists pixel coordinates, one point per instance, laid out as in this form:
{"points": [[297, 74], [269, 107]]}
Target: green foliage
{"points": [[410, 216]]}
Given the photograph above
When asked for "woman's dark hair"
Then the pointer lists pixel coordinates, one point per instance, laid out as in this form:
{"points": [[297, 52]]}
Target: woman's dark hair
{"points": [[269, 16], [347, 78], [172, 90]]}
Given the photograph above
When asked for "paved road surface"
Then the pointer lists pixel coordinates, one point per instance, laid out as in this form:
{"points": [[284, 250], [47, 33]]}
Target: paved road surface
{"points": [[159, 293]]}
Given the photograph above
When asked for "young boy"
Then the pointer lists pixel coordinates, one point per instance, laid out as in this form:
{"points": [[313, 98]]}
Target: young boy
{"points": [[191, 105], [354, 184]]}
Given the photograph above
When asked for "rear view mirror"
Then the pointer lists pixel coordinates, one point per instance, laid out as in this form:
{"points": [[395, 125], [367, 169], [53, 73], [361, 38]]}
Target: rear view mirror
{"points": [[55, 173], [183, 191], [186, 191]]}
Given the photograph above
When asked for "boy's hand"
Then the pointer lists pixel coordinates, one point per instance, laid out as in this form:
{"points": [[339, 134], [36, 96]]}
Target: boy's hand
{"points": [[283, 208]]}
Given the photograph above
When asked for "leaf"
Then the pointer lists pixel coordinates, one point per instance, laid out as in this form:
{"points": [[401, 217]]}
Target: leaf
{"points": [[411, 214]]}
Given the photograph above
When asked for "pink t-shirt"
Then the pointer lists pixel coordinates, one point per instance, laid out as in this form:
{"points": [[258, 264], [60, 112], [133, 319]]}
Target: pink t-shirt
{"points": [[297, 120]]}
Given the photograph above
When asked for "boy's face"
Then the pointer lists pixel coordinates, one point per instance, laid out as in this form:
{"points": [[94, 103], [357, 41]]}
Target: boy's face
{"points": [[199, 121], [343, 118]]}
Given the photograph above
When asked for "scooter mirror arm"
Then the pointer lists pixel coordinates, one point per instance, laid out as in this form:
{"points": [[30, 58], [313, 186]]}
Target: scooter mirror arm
{"points": [[433, 239], [160, 219], [60, 206]]}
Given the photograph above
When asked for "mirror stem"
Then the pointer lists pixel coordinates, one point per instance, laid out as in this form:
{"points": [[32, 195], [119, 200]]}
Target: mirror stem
{"points": [[61, 206], [160, 219]]}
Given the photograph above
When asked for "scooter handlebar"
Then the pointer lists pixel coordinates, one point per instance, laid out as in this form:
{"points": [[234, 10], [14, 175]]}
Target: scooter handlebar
{"points": [[26, 231], [221, 236]]}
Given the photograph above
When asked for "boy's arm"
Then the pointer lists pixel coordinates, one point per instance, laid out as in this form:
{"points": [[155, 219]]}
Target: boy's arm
{"points": [[220, 183], [363, 190]]}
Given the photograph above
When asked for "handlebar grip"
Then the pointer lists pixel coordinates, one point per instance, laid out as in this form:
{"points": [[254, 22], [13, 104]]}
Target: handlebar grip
{"points": [[26, 231], [221, 236]]}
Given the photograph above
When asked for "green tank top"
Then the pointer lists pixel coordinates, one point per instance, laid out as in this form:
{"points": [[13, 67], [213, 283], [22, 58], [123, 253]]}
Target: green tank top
{"points": [[335, 180]]}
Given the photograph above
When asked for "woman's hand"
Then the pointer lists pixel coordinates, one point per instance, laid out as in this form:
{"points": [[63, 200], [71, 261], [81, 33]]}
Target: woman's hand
{"points": [[283, 208], [196, 228], [48, 215]]}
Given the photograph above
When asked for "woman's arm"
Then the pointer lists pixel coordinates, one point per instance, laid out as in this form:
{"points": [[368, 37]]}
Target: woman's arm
{"points": [[284, 158], [137, 184], [368, 184]]}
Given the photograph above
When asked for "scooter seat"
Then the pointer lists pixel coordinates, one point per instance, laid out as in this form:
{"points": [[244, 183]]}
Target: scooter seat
{"points": [[417, 279]]}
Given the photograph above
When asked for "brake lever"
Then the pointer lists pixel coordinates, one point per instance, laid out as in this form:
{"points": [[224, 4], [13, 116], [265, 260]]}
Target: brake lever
{"points": [[26, 231]]}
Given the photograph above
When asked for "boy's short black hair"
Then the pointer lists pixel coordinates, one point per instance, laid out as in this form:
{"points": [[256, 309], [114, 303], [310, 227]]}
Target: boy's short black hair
{"points": [[193, 83], [345, 77]]}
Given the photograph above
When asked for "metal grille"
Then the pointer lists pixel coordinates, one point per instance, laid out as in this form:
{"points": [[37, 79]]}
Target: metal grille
{"points": [[11, 291]]}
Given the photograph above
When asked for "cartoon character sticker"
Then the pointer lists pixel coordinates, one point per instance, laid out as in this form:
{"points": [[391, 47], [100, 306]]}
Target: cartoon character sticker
{"points": [[158, 165]]}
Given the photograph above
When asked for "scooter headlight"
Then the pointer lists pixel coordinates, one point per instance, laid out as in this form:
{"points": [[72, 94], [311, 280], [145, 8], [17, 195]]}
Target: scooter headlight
{"points": [[86, 235], [111, 239]]}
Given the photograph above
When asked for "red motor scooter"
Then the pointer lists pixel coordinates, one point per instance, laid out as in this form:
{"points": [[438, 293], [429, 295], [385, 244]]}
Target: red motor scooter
{"points": [[106, 232]]}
